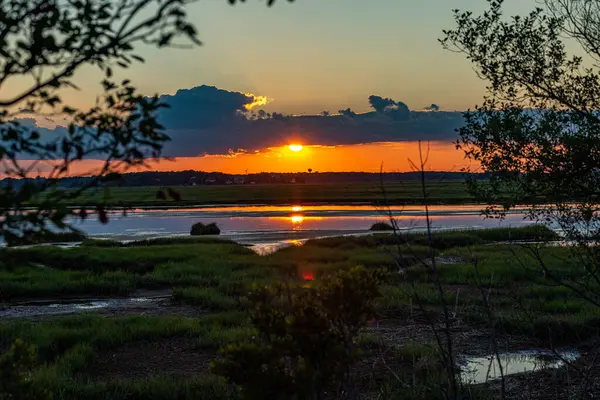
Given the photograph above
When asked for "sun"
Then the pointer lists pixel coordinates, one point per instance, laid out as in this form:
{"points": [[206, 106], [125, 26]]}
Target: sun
{"points": [[295, 147]]}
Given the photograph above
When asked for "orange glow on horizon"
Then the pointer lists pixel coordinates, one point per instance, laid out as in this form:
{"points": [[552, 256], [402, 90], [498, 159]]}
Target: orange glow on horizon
{"points": [[369, 157], [296, 208], [295, 147]]}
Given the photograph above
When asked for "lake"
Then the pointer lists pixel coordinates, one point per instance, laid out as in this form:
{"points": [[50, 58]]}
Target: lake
{"points": [[268, 228]]}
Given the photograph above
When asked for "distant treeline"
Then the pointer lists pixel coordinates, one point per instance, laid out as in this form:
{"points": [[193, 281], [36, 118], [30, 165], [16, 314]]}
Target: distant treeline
{"points": [[193, 178]]}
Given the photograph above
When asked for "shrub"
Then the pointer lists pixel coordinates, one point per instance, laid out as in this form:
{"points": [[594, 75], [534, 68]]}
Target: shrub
{"points": [[16, 367], [381, 226], [307, 337], [202, 229]]}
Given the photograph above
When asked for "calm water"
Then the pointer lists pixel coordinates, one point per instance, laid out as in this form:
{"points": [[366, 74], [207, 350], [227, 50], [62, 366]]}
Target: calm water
{"points": [[483, 369], [273, 226]]}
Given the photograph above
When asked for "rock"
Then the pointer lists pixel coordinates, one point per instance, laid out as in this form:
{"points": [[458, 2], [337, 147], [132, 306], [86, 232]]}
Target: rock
{"points": [[201, 229]]}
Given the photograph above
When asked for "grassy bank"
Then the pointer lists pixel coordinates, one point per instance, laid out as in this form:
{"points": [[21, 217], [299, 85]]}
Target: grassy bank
{"points": [[452, 192], [167, 357]]}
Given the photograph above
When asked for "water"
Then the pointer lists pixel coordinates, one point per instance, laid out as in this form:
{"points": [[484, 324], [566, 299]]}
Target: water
{"points": [[269, 228], [483, 369], [74, 306]]}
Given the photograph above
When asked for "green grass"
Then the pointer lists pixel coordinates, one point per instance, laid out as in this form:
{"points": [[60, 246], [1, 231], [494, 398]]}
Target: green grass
{"points": [[211, 276], [68, 346], [120, 270], [54, 337], [46, 237], [339, 193]]}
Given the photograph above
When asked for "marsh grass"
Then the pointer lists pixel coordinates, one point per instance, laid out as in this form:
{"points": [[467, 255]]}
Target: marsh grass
{"points": [[45, 237], [213, 275]]}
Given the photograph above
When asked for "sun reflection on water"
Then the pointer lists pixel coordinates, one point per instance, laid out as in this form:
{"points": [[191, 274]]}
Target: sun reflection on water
{"points": [[297, 219]]}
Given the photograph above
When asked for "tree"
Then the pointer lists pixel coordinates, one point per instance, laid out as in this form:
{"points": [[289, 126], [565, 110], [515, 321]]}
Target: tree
{"points": [[538, 129], [43, 43], [537, 133], [325, 114]]}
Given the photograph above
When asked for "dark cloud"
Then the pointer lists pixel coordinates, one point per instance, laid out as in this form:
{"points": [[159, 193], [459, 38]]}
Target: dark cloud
{"points": [[395, 109], [323, 130], [207, 120], [202, 107]]}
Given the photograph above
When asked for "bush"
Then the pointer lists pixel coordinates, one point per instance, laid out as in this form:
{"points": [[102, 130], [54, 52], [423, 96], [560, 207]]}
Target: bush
{"points": [[16, 367], [381, 226], [201, 229], [307, 337]]}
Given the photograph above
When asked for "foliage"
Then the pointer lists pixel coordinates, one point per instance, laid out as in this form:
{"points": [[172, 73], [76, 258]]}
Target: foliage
{"points": [[202, 229], [537, 130], [16, 366], [306, 338], [43, 44], [381, 226]]}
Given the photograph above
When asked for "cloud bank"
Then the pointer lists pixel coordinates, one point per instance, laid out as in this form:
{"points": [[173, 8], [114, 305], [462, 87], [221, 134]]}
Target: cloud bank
{"points": [[207, 120]]}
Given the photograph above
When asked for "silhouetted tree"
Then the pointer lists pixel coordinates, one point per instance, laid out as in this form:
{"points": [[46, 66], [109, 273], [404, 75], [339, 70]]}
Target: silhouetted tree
{"points": [[325, 113], [538, 130], [43, 43]]}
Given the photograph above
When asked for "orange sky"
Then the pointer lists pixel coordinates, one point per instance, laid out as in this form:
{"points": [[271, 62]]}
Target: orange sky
{"points": [[365, 157], [395, 157]]}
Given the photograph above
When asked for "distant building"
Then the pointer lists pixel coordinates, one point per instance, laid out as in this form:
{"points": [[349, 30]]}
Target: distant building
{"points": [[210, 181], [239, 180]]}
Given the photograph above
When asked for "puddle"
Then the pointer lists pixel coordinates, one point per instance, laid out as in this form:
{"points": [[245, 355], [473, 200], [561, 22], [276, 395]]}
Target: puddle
{"points": [[483, 369], [39, 308]]}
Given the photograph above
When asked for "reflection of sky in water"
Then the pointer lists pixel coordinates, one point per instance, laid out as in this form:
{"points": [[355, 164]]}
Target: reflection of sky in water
{"points": [[483, 369], [278, 226]]}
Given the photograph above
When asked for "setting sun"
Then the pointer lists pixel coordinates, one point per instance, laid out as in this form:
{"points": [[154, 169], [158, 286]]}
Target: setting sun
{"points": [[295, 147]]}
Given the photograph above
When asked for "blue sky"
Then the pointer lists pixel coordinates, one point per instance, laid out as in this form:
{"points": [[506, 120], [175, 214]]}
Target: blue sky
{"points": [[314, 55]]}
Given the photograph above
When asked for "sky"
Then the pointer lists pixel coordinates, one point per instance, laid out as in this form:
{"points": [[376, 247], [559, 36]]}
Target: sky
{"points": [[306, 57], [315, 55]]}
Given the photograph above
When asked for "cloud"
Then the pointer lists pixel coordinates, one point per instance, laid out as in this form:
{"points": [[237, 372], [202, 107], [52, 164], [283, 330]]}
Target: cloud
{"points": [[205, 106], [394, 109], [207, 120]]}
